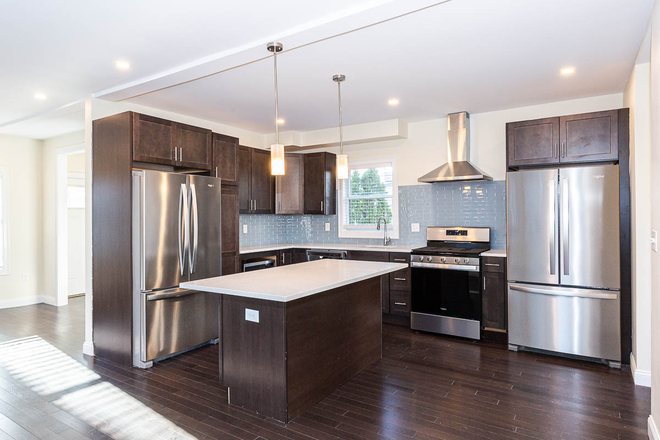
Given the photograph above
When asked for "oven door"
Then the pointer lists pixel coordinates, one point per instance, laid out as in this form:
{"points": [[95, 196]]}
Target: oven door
{"points": [[446, 301]]}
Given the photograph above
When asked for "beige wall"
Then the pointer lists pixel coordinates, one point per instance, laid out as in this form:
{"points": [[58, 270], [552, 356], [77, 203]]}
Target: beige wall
{"points": [[637, 97], [76, 163], [23, 157]]}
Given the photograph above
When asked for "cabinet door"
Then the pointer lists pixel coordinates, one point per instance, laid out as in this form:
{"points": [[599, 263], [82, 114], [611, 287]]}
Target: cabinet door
{"points": [[330, 184], [262, 183], [195, 146], [299, 256], [225, 158], [285, 257], [244, 180], [385, 293], [532, 142], [493, 301], [314, 179], [400, 303], [400, 280], [230, 229], [590, 137], [289, 188], [153, 140]]}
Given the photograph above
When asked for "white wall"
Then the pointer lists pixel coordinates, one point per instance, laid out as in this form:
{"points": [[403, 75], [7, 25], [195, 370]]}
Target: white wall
{"points": [[426, 146], [76, 163], [637, 97], [24, 158]]}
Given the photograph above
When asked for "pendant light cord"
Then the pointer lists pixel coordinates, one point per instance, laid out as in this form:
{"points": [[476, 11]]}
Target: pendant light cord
{"points": [[277, 107], [341, 131]]}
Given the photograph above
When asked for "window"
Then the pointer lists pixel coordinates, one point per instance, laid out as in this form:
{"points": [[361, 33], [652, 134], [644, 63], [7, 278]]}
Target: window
{"points": [[369, 193], [4, 221]]}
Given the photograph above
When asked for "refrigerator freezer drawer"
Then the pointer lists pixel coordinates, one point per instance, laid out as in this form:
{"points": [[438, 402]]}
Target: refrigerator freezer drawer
{"points": [[177, 320], [583, 322]]}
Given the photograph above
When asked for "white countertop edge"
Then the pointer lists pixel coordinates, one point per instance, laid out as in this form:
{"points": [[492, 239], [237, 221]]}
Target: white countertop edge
{"points": [[333, 246], [196, 285], [495, 253]]}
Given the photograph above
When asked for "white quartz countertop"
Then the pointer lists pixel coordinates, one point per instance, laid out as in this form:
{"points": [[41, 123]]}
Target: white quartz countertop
{"points": [[295, 281], [343, 247], [495, 253]]}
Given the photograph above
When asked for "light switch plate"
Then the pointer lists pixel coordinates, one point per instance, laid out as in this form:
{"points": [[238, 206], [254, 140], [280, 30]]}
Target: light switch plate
{"points": [[414, 227], [244, 229], [327, 227], [654, 241], [252, 315]]}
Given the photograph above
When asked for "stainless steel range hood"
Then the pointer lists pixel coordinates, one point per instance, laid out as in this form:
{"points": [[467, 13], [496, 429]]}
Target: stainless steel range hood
{"points": [[458, 168]]}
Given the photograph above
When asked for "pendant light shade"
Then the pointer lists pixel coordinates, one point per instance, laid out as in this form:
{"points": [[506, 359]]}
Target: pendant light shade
{"points": [[277, 167], [342, 159]]}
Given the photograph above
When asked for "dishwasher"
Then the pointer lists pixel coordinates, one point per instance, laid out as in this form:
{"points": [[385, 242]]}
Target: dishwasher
{"points": [[322, 254], [259, 263]]}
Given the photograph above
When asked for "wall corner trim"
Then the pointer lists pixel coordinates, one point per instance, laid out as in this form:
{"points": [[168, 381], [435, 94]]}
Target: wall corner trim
{"points": [[640, 377], [88, 348], [653, 429]]}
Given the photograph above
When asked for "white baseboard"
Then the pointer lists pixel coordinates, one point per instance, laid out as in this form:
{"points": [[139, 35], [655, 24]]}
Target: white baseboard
{"points": [[653, 430], [88, 349], [20, 302], [640, 377]]}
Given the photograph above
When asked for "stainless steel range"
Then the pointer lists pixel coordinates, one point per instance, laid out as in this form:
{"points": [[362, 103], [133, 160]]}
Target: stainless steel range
{"points": [[446, 275]]}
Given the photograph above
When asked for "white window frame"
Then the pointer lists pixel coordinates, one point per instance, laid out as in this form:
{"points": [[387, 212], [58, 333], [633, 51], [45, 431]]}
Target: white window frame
{"points": [[4, 230], [393, 228]]}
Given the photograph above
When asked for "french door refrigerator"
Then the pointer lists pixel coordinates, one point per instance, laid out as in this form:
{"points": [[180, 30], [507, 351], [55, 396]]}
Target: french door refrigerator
{"points": [[176, 238], [563, 261]]}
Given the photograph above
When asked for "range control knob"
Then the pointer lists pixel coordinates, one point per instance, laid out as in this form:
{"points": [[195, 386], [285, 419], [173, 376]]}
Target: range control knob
{"points": [[429, 259], [466, 260], [443, 260], [457, 260], [421, 258]]}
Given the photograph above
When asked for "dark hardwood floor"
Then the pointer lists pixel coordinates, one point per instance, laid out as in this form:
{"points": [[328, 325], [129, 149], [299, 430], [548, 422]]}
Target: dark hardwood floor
{"points": [[425, 387]]}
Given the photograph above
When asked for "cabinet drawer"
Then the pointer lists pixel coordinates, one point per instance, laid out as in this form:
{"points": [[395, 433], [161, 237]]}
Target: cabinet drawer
{"points": [[368, 256], [493, 264], [399, 257], [400, 280], [399, 303]]}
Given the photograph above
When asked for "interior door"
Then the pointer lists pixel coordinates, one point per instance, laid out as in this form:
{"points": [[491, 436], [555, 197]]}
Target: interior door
{"points": [[163, 204], [590, 226], [532, 226], [205, 227]]}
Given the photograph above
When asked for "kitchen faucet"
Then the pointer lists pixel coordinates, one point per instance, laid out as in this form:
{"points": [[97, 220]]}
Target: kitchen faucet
{"points": [[386, 239]]}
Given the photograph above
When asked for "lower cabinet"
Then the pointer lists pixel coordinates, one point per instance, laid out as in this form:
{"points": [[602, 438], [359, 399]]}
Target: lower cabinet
{"points": [[494, 297], [230, 230]]}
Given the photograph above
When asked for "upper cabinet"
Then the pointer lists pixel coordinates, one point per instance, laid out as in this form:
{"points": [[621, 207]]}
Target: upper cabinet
{"points": [[164, 142], [320, 183], [256, 186], [225, 159], [289, 188], [575, 139]]}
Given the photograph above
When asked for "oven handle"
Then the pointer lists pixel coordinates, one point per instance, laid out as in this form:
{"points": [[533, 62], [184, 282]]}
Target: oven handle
{"points": [[457, 267]]}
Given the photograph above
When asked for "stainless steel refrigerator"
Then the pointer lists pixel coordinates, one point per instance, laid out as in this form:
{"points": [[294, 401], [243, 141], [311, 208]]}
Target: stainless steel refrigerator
{"points": [[563, 261], [176, 238]]}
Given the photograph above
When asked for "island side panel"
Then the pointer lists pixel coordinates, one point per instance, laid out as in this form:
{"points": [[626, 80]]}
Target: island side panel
{"points": [[331, 336], [254, 355]]}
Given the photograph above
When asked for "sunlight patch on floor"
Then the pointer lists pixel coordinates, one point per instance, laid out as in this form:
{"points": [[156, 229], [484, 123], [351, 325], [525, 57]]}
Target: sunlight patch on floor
{"points": [[79, 391]]}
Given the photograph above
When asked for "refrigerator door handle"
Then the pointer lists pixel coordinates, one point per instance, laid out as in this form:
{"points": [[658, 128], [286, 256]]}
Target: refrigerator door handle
{"points": [[552, 223], [574, 293], [565, 235], [195, 231], [183, 235]]}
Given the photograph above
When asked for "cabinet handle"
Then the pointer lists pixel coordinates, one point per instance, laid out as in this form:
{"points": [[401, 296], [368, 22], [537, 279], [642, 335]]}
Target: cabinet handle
{"points": [[400, 304], [401, 259], [556, 150], [216, 172], [399, 279], [484, 284], [321, 205], [563, 149], [181, 154], [492, 264], [175, 155]]}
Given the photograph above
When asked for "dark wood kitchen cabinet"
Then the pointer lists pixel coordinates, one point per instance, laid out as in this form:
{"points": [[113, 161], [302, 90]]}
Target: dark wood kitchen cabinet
{"points": [[225, 159], [289, 189], [320, 183], [493, 295], [230, 229], [256, 186], [195, 147], [573, 139]]}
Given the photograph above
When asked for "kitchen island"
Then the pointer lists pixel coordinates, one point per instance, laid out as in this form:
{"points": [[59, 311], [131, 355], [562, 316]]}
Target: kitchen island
{"points": [[291, 335]]}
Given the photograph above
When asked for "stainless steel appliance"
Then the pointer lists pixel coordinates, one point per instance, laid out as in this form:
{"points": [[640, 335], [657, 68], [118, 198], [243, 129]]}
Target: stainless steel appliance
{"points": [[176, 238], [322, 254], [563, 261], [446, 287], [252, 264]]}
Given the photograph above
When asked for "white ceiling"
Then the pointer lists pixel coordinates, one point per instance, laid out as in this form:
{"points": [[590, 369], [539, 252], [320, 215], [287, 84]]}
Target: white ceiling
{"points": [[474, 55]]}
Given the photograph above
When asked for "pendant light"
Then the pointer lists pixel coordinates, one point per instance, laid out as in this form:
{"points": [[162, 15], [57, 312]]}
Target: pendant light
{"points": [[342, 159], [277, 149]]}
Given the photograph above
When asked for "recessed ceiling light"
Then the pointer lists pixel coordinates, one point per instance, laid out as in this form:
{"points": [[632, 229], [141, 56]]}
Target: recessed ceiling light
{"points": [[280, 121], [123, 65], [567, 70], [40, 96], [393, 101]]}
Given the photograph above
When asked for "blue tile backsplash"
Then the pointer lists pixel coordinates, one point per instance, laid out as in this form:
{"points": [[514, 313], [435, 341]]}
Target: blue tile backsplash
{"points": [[448, 204]]}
